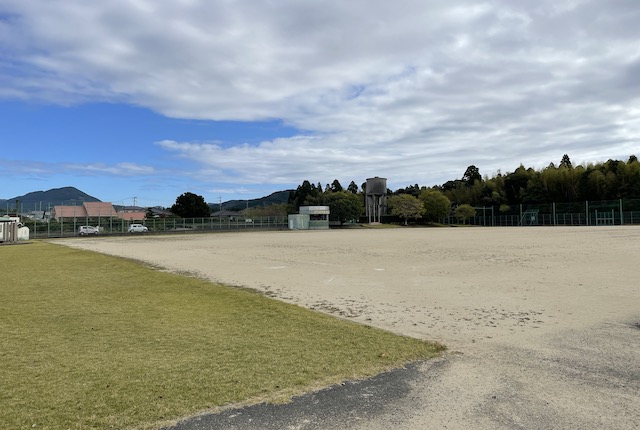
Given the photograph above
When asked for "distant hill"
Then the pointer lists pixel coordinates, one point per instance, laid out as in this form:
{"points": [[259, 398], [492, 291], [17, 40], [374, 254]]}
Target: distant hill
{"points": [[41, 199], [237, 205]]}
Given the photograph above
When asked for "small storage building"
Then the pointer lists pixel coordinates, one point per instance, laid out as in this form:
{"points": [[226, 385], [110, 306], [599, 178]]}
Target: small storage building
{"points": [[310, 218], [9, 227], [299, 222]]}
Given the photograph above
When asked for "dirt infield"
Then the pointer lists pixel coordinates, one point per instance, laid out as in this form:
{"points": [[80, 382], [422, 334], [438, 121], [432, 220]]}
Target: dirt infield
{"points": [[542, 324]]}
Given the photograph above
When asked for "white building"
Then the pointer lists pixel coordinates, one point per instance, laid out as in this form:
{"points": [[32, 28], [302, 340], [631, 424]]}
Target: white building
{"points": [[310, 218], [11, 230]]}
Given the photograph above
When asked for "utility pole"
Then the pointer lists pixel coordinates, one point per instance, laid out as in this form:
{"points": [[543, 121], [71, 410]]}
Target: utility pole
{"points": [[134, 201]]}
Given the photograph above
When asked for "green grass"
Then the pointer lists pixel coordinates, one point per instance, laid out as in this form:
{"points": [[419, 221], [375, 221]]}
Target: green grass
{"points": [[93, 341]]}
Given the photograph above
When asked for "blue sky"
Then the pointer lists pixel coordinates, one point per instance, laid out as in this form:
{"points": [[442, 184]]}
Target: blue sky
{"points": [[236, 100], [111, 151]]}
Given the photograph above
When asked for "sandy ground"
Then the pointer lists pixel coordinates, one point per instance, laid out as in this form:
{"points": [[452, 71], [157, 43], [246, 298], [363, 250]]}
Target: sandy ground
{"points": [[542, 324]]}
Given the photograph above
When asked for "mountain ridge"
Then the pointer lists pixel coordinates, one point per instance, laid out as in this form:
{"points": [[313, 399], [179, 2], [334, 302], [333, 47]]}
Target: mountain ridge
{"points": [[276, 197], [58, 196], [39, 200]]}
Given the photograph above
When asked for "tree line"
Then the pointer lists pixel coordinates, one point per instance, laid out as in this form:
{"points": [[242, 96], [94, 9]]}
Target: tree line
{"points": [[345, 204], [348, 204], [562, 183]]}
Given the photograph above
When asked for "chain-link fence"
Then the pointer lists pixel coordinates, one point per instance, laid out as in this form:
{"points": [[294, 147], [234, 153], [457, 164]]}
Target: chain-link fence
{"points": [[69, 227], [589, 213], [608, 212]]}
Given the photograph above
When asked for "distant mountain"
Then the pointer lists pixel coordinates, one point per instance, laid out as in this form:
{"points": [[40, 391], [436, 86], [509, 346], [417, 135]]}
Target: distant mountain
{"points": [[237, 205], [40, 200]]}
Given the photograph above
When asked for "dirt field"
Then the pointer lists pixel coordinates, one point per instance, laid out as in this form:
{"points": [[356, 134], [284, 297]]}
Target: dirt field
{"points": [[542, 324]]}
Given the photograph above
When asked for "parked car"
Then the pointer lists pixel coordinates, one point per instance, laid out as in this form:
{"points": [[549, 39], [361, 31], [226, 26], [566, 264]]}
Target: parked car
{"points": [[137, 228], [85, 230]]}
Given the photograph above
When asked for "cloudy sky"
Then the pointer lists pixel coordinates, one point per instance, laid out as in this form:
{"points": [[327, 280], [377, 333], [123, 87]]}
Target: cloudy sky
{"points": [[237, 99]]}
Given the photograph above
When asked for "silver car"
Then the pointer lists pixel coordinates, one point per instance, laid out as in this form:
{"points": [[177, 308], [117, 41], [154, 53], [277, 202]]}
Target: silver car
{"points": [[85, 230], [137, 228]]}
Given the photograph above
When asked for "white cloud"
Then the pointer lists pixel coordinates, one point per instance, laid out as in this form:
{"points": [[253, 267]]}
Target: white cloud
{"points": [[118, 169], [413, 90]]}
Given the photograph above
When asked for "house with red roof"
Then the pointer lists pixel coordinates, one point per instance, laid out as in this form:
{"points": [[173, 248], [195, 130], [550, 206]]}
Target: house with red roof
{"points": [[94, 211]]}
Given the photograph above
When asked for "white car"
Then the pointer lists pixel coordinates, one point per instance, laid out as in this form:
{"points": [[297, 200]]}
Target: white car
{"points": [[137, 228], [85, 230]]}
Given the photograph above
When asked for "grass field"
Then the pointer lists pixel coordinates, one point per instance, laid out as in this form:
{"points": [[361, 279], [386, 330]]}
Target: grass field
{"points": [[92, 341]]}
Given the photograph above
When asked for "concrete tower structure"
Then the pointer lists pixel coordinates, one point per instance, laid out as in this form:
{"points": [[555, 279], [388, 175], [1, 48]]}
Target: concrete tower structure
{"points": [[376, 199]]}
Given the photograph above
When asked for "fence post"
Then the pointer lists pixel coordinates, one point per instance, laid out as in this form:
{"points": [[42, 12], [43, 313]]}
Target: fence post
{"points": [[621, 214], [586, 205], [520, 219]]}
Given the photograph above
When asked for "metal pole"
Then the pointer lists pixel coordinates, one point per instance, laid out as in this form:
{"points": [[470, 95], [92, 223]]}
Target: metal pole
{"points": [[586, 205], [621, 214], [520, 222]]}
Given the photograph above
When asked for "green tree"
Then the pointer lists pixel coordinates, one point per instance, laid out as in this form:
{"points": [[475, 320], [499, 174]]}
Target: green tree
{"points": [[597, 185], [516, 183], [406, 206], [630, 179], [352, 188], [471, 175], [566, 161], [413, 190], [189, 205], [436, 204], [335, 186], [464, 212], [304, 195], [344, 206]]}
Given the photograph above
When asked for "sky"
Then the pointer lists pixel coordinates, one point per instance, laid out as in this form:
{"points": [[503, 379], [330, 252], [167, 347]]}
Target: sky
{"points": [[143, 100]]}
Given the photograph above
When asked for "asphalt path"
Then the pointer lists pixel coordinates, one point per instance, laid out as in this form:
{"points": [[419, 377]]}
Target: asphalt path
{"points": [[584, 379]]}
